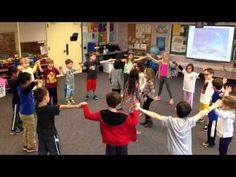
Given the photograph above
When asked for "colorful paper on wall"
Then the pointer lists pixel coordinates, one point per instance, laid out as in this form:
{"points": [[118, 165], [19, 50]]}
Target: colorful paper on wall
{"points": [[176, 29]]}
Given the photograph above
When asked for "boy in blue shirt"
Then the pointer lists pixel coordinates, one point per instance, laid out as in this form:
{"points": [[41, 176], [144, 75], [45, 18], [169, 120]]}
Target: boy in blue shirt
{"points": [[27, 110]]}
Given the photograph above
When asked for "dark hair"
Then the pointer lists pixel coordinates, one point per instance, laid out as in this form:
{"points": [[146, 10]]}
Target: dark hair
{"points": [[133, 79], [209, 70], [130, 53], [23, 77], [39, 94], [141, 66], [217, 83], [68, 61], [12, 69], [191, 65], [113, 99], [118, 64], [91, 54], [183, 109]]}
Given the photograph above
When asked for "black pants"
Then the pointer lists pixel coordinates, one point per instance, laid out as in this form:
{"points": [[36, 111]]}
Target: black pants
{"points": [[16, 121], [53, 95], [116, 90], [224, 145], [211, 132], [116, 150], [162, 81], [126, 76], [49, 144], [146, 105]]}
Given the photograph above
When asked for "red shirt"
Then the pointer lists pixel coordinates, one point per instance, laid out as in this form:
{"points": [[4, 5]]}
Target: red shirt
{"points": [[50, 77], [116, 135]]}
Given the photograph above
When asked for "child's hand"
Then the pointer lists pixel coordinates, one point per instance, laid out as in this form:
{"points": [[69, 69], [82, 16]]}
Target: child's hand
{"points": [[38, 63], [149, 55], [155, 98], [40, 83], [228, 89], [82, 104], [224, 80], [137, 106]]}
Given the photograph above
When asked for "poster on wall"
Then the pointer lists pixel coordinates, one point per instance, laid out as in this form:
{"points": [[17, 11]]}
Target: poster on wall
{"points": [[162, 29], [178, 43], [161, 43]]}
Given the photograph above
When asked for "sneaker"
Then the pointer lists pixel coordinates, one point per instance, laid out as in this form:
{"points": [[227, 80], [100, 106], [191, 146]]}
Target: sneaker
{"points": [[12, 133], [206, 144], [86, 98], [72, 100], [205, 128], [95, 97], [138, 132], [67, 101], [200, 120], [25, 148], [18, 131], [34, 149], [171, 102]]}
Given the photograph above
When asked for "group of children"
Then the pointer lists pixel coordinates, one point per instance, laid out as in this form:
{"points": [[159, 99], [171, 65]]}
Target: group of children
{"points": [[131, 84]]}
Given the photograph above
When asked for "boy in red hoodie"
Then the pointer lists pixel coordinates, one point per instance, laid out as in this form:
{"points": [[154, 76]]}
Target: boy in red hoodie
{"points": [[117, 127]]}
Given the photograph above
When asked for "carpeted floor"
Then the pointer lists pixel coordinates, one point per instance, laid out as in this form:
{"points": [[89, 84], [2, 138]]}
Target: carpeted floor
{"points": [[82, 137]]}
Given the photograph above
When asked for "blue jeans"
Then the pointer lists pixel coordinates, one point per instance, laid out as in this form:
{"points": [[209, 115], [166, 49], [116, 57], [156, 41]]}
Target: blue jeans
{"points": [[69, 90], [49, 144]]}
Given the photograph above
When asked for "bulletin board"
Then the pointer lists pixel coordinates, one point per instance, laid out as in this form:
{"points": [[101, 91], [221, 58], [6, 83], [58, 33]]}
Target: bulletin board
{"points": [[139, 34], [178, 41]]}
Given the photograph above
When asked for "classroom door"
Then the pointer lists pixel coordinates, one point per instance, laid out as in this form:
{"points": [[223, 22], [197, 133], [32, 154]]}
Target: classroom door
{"points": [[62, 44]]}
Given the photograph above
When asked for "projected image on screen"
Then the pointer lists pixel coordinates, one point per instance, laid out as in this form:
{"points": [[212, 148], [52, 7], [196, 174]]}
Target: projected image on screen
{"points": [[210, 43]]}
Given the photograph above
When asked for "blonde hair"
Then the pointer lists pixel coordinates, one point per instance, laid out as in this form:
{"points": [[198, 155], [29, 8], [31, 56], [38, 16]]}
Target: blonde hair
{"points": [[164, 58], [229, 102], [24, 60], [150, 73]]}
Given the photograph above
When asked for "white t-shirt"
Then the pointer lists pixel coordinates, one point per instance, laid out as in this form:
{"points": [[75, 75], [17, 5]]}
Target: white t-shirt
{"points": [[207, 92], [189, 81], [179, 134], [142, 81], [225, 126]]}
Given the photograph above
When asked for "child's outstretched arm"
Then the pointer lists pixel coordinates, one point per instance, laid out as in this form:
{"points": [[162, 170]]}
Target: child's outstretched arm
{"points": [[151, 114], [89, 115], [39, 66], [106, 61], [153, 59], [140, 58], [204, 112], [35, 67], [62, 106]]}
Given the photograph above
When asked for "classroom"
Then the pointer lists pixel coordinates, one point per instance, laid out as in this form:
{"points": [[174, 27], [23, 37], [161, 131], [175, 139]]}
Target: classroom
{"points": [[150, 88]]}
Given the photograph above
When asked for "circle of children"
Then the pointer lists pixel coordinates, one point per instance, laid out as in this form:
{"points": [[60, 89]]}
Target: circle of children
{"points": [[132, 83]]}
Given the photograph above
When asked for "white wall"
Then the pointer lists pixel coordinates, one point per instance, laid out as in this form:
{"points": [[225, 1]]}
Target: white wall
{"points": [[32, 31]]}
